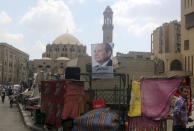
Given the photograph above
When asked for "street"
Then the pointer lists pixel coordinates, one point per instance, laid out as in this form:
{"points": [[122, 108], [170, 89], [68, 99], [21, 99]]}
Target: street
{"points": [[11, 119]]}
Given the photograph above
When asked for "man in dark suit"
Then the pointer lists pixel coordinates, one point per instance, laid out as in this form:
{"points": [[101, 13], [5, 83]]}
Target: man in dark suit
{"points": [[102, 55]]}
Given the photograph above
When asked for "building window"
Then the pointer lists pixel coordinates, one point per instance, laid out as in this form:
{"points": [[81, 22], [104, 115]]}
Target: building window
{"points": [[186, 45], [189, 20], [139, 56], [40, 66], [175, 65], [48, 66], [89, 67], [188, 63], [192, 64], [72, 49], [178, 48], [185, 63]]}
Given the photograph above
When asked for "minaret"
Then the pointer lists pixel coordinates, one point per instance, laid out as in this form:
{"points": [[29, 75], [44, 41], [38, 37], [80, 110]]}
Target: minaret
{"points": [[108, 25]]}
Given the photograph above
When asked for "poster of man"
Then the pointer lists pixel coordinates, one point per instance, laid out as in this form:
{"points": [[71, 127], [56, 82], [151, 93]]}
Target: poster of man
{"points": [[102, 60]]}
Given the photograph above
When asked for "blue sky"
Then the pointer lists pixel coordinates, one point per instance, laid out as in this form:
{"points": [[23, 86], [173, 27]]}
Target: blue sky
{"points": [[30, 24]]}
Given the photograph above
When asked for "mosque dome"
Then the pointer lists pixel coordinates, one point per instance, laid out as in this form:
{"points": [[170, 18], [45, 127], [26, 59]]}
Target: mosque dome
{"points": [[67, 39]]}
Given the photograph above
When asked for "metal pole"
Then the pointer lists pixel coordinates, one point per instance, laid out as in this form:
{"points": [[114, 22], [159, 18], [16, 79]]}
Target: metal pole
{"points": [[119, 92]]}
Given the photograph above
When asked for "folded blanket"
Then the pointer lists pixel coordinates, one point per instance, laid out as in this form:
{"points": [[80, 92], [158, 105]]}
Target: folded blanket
{"points": [[101, 119]]}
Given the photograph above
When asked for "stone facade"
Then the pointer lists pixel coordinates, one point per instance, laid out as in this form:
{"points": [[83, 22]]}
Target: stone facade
{"points": [[180, 59], [54, 60], [13, 64], [135, 68], [187, 35], [65, 45], [136, 55], [48, 65], [166, 46]]}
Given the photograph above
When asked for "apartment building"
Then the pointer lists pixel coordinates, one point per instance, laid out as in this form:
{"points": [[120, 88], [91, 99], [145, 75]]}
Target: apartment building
{"points": [[166, 46], [13, 64], [187, 35]]}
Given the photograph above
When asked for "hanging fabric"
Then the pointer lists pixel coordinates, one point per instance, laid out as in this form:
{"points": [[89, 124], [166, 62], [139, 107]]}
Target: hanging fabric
{"points": [[135, 104]]}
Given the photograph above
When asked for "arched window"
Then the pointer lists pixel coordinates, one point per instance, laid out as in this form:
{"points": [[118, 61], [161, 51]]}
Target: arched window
{"points": [[72, 49], [175, 65], [40, 66], [48, 66], [161, 66]]}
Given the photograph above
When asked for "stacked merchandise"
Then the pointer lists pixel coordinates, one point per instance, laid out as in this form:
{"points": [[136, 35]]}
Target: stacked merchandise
{"points": [[102, 119], [74, 100]]}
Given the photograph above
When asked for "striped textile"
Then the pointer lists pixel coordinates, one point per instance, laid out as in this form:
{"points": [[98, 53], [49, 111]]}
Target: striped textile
{"points": [[101, 119], [146, 124]]}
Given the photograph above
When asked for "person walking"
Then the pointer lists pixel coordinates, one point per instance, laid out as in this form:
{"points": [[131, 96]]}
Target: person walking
{"points": [[3, 95], [180, 111]]}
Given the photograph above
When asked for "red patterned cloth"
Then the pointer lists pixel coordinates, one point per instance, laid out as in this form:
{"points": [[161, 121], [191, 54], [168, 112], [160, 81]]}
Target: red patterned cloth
{"points": [[61, 100], [52, 99], [74, 98]]}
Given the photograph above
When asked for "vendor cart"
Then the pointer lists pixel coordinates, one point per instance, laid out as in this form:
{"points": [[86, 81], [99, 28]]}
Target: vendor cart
{"points": [[115, 95], [56, 97]]}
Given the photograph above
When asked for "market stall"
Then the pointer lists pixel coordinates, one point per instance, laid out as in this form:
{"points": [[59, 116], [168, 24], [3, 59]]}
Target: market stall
{"points": [[63, 102], [151, 102]]}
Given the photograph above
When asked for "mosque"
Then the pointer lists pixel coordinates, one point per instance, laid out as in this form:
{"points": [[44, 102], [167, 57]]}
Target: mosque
{"points": [[66, 50]]}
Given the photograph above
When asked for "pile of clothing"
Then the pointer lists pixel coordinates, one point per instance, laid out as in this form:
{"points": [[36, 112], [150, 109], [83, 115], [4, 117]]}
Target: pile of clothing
{"points": [[102, 119]]}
